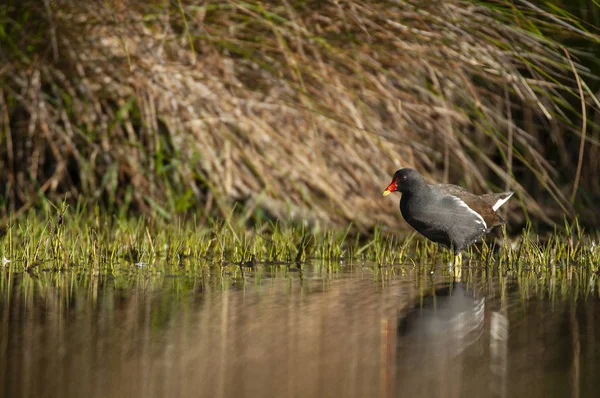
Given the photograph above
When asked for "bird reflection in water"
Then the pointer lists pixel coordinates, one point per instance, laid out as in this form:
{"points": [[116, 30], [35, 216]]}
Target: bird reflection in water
{"points": [[449, 346]]}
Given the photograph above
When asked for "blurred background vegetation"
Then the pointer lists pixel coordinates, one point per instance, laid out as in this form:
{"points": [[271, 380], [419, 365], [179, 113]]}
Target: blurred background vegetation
{"points": [[298, 110]]}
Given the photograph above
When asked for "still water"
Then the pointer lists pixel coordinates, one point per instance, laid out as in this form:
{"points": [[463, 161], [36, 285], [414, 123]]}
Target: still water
{"points": [[348, 331]]}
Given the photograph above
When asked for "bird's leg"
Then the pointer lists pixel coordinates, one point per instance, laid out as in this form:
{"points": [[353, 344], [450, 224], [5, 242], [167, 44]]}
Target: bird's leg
{"points": [[457, 266], [458, 258]]}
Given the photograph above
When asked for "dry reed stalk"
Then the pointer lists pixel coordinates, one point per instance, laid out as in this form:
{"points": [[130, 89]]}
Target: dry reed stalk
{"points": [[295, 109]]}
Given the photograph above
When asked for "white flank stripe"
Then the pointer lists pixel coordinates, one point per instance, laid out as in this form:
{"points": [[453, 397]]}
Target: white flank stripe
{"points": [[466, 206], [500, 202]]}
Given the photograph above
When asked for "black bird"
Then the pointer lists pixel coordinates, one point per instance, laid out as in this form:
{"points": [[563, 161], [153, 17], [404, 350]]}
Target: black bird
{"points": [[444, 213]]}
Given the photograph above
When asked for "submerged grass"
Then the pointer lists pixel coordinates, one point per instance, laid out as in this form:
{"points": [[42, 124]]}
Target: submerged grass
{"points": [[76, 241]]}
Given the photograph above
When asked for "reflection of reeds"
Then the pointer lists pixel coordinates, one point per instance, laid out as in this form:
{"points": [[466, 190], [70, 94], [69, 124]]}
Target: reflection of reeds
{"points": [[146, 333], [303, 109]]}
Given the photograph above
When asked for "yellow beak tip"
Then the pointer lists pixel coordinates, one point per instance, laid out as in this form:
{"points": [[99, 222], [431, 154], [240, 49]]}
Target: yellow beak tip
{"points": [[386, 192]]}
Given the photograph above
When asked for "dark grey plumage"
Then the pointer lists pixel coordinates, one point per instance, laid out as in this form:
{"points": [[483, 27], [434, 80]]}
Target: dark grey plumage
{"points": [[446, 214]]}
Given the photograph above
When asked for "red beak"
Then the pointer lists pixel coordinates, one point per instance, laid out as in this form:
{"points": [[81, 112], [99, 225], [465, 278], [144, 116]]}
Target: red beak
{"points": [[391, 188]]}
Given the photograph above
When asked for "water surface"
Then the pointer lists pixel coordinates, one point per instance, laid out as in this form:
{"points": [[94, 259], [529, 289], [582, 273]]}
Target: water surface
{"points": [[350, 330]]}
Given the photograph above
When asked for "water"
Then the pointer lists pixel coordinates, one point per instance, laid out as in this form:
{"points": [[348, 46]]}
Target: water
{"points": [[353, 332]]}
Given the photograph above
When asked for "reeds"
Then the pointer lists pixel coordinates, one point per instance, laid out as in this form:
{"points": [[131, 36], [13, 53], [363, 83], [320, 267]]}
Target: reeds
{"points": [[301, 109]]}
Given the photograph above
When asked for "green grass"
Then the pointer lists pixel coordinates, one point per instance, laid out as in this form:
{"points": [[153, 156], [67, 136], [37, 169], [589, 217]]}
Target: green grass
{"points": [[68, 240]]}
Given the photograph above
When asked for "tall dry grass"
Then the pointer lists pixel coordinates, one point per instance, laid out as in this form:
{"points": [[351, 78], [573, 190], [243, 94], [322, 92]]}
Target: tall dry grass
{"points": [[300, 109]]}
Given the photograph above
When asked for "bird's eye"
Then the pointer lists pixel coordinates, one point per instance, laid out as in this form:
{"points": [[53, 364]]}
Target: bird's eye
{"points": [[404, 178]]}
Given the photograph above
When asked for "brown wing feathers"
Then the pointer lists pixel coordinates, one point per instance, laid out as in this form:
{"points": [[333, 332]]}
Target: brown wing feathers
{"points": [[482, 204]]}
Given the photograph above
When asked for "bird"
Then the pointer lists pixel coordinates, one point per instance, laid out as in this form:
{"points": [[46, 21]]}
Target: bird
{"points": [[444, 213]]}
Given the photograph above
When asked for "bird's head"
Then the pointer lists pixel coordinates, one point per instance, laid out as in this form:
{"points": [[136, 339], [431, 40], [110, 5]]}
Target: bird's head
{"points": [[405, 180]]}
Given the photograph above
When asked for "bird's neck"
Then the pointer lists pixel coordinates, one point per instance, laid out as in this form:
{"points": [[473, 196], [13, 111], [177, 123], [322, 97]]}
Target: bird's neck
{"points": [[417, 195], [418, 191]]}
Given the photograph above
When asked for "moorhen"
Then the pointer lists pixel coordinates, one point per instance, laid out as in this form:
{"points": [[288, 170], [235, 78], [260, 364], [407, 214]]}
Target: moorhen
{"points": [[444, 213]]}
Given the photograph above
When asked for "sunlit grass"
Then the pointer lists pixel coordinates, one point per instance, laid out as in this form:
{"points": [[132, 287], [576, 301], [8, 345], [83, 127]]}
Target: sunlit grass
{"points": [[69, 241]]}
